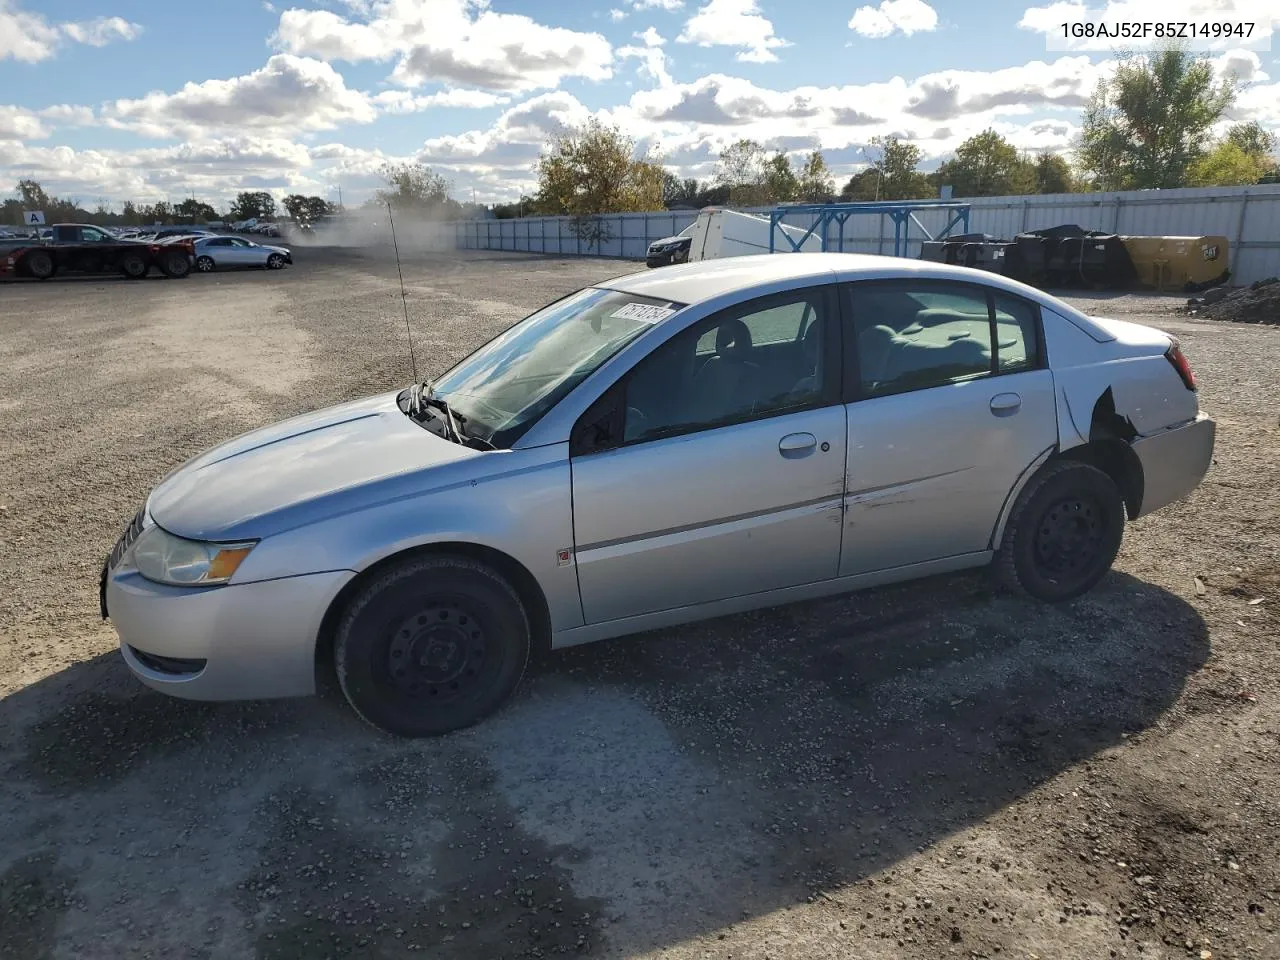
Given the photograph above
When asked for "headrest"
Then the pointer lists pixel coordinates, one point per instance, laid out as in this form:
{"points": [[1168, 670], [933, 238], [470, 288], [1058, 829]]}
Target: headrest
{"points": [[733, 340]]}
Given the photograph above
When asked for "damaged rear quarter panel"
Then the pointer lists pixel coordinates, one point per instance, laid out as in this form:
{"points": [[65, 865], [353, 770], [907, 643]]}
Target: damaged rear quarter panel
{"points": [[1144, 385]]}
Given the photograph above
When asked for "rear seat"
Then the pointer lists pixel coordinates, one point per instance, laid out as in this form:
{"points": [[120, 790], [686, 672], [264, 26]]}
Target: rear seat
{"points": [[937, 341]]}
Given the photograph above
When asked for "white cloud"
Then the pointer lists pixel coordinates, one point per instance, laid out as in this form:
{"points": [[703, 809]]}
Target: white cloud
{"points": [[19, 123], [651, 37], [615, 14], [454, 41], [893, 16], [733, 23], [657, 4], [287, 95], [653, 63], [402, 101], [1244, 65], [28, 36]]}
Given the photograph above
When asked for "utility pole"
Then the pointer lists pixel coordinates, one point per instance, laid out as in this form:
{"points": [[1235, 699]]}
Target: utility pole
{"points": [[339, 198]]}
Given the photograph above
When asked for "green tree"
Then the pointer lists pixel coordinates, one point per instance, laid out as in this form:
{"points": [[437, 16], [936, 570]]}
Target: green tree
{"points": [[893, 174], [129, 214], [253, 205], [675, 190], [780, 181], [302, 209], [416, 187], [987, 165], [1253, 138], [816, 185], [1053, 174], [158, 212], [195, 211], [1229, 165], [32, 195], [1146, 125], [595, 169]]}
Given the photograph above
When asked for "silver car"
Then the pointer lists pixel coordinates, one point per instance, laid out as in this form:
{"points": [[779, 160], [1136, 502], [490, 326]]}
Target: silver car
{"points": [[216, 253], [655, 450]]}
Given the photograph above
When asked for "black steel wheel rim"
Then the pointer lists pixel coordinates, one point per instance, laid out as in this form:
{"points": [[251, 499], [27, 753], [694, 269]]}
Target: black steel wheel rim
{"points": [[1070, 537], [441, 652]]}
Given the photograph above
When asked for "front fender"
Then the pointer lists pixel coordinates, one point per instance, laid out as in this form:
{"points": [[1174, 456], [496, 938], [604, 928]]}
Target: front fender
{"points": [[524, 512]]}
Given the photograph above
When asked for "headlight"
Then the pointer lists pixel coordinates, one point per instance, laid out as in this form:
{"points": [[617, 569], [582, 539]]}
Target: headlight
{"points": [[160, 556]]}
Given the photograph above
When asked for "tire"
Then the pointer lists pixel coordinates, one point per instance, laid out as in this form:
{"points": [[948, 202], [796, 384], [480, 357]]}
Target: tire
{"points": [[134, 266], [175, 264], [40, 264], [431, 645], [275, 262], [205, 264], [1063, 533]]}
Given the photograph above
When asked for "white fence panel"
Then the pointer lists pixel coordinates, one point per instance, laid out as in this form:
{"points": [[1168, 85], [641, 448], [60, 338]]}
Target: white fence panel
{"points": [[1249, 217]]}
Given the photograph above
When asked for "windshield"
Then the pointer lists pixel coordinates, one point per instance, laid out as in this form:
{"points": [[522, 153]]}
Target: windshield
{"points": [[504, 387], [687, 231]]}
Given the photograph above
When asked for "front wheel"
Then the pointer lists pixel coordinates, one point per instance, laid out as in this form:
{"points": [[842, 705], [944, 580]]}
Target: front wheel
{"points": [[1063, 534], [275, 262], [432, 645]]}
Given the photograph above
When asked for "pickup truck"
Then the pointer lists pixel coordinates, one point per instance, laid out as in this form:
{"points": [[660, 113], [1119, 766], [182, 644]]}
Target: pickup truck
{"points": [[83, 248]]}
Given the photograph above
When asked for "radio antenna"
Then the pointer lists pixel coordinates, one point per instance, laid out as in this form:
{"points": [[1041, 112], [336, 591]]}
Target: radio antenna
{"points": [[404, 299]]}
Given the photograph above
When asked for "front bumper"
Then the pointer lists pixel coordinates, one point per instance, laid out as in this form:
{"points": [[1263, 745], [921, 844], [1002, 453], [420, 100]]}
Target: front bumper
{"points": [[238, 642], [1174, 462]]}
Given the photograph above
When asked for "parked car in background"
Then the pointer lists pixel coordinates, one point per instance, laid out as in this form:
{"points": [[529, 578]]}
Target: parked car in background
{"points": [[84, 248], [220, 253], [661, 448], [669, 250]]}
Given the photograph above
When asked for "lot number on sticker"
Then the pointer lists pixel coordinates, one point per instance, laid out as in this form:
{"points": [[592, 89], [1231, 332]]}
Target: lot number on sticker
{"points": [[643, 312]]}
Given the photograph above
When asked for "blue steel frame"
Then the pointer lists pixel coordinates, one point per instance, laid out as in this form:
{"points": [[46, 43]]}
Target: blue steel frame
{"points": [[903, 214]]}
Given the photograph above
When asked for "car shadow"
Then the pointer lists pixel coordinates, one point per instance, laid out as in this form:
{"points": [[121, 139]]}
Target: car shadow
{"points": [[637, 794]]}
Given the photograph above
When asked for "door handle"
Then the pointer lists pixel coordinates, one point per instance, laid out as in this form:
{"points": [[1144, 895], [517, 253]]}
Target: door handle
{"points": [[1005, 404], [797, 445]]}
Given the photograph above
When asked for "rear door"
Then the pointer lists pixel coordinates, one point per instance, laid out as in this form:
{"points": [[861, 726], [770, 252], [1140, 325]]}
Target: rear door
{"points": [[715, 468], [950, 402]]}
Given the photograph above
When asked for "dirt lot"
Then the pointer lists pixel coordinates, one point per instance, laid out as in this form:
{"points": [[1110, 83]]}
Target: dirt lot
{"points": [[922, 771]]}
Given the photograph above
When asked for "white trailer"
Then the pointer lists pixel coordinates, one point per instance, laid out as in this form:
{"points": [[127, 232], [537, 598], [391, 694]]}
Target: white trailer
{"points": [[727, 233]]}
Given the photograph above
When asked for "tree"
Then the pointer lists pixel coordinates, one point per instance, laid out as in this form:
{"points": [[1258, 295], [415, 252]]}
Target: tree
{"points": [[864, 185], [1229, 165], [195, 211], [675, 190], [416, 187], [594, 169], [1053, 174], [1146, 125], [251, 205], [741, 170], [780, 181], [306, 209], [893, 174], [158, 212], [987, 165], [130, 215], [32, 195], [1253, 138], [816, 185]]}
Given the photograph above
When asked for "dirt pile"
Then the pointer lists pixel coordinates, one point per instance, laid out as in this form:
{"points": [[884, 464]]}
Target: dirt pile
{"points": [[1257, 303]]}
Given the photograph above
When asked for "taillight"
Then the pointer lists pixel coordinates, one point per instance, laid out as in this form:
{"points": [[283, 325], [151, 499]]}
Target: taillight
{"points": [[1179, 360]]}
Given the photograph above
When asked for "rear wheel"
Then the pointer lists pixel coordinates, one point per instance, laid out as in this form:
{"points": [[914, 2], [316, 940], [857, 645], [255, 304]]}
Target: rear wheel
{"points": [[134, 266], [1063, 534], [204, 264], [40, 264], [432, 645], [175, 264]]}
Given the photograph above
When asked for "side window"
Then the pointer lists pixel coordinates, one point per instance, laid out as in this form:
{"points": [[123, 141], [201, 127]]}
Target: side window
{"points": [[912, 335], [1017, 334], [717, 372], [90, 235]]}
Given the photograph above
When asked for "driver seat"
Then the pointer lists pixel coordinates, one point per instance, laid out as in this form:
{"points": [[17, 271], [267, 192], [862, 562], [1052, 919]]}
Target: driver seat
{"points": [[728, 381]]}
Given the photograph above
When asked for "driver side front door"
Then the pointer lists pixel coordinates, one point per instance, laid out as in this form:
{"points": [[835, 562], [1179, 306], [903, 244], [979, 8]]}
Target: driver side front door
{"points": [[721, 471]]}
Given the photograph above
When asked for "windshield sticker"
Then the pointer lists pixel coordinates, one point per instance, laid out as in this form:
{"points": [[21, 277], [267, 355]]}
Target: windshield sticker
{"points": [[643, 312]]}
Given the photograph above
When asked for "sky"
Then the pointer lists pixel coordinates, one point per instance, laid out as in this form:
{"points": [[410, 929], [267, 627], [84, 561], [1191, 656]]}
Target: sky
{"points": [[114, 100]]}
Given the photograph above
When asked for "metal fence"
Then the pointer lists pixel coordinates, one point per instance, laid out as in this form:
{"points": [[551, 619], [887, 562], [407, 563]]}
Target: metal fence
{"points": [[1249, 217]]}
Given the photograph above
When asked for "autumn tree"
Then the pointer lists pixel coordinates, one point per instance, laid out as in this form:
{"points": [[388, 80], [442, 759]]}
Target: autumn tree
{"points": [[1146, 124], [595, 169]]}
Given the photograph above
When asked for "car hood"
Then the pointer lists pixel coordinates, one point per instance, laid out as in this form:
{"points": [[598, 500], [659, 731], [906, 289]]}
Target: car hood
{"points": [[666, 240], [301, 470], [266, 246]]}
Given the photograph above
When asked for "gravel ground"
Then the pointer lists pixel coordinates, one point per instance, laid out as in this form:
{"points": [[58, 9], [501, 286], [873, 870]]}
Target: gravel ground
{"points": [[921, 771]]}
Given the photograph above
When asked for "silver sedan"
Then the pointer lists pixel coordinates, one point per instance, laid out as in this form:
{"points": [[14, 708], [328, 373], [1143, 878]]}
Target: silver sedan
{"points": [[218, 253], [658, 449]]}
